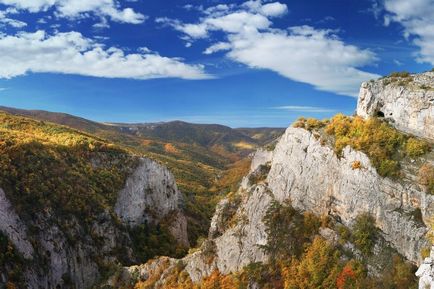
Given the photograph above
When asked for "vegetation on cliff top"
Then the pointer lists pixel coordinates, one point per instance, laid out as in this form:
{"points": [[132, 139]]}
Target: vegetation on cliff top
{"points": [[384, 145]]}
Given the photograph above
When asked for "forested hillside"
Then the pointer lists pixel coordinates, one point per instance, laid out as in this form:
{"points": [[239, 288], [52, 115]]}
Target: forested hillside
{"points": [[207, 160]]}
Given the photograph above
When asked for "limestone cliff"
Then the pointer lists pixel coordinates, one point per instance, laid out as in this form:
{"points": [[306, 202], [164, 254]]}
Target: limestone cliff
{"points": [[151, 194], [406, 100], [306, 170], [316, 179]]}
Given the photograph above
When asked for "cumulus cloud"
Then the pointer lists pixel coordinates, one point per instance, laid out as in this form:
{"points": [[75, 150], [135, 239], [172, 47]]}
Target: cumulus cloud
{"points": [[303, 53], [72, 53], [417, 18], [80, 8]]}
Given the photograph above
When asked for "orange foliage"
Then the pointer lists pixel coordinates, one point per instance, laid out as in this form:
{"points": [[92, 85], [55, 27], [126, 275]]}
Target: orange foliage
{"points": [[146, 142], [170, 148], [345, 277]]}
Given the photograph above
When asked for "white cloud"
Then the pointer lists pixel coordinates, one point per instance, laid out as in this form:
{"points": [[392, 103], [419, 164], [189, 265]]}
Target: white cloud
{"points": [[274, 9], [303, 53], [298, 108], [220, 46], [103, 24], [80, 8], [72, 53], [6, 20], [417, 18]]}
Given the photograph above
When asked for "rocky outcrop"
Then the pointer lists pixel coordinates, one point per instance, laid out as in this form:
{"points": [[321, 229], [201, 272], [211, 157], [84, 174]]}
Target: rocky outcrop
{"points": [[149, 195], [67, 264], [425, 273], [408, 102], [315, 179]]}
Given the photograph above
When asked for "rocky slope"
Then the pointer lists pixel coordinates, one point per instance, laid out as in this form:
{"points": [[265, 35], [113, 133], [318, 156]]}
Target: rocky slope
{"points": [[406, 100], [316, 179]]}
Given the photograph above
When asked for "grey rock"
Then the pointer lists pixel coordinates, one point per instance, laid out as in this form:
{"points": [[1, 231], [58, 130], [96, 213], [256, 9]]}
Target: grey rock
{"points": [[409, 107], [149, 195], [425, 272], [12, 226], [317, 180]]}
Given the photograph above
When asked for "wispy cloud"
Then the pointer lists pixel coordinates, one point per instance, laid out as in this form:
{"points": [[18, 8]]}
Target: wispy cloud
{"points": [[301, 108]]}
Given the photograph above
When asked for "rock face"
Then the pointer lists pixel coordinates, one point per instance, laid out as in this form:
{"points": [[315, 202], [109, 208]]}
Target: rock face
{"points": [[315, 179], [260, 157], [408, 102], [150, 194], [73, 258], [13, 227], [426, 272]]}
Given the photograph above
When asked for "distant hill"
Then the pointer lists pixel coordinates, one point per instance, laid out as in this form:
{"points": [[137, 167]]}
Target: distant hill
{"points": [[239, 140], [206, 135], [59, 118]]}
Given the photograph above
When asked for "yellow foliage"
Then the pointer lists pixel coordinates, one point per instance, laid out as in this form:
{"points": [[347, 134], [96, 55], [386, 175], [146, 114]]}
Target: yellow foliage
{"points": [[244, 145], [384, 145], [416, 147]]}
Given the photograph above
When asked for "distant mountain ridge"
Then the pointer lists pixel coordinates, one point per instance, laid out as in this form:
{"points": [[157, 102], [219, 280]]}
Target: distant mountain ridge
{"points": [[206, 135], [206, 160]]}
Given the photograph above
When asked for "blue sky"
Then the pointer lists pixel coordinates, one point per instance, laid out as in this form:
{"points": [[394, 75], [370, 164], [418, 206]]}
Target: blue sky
{"points": [[239, 63]]}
